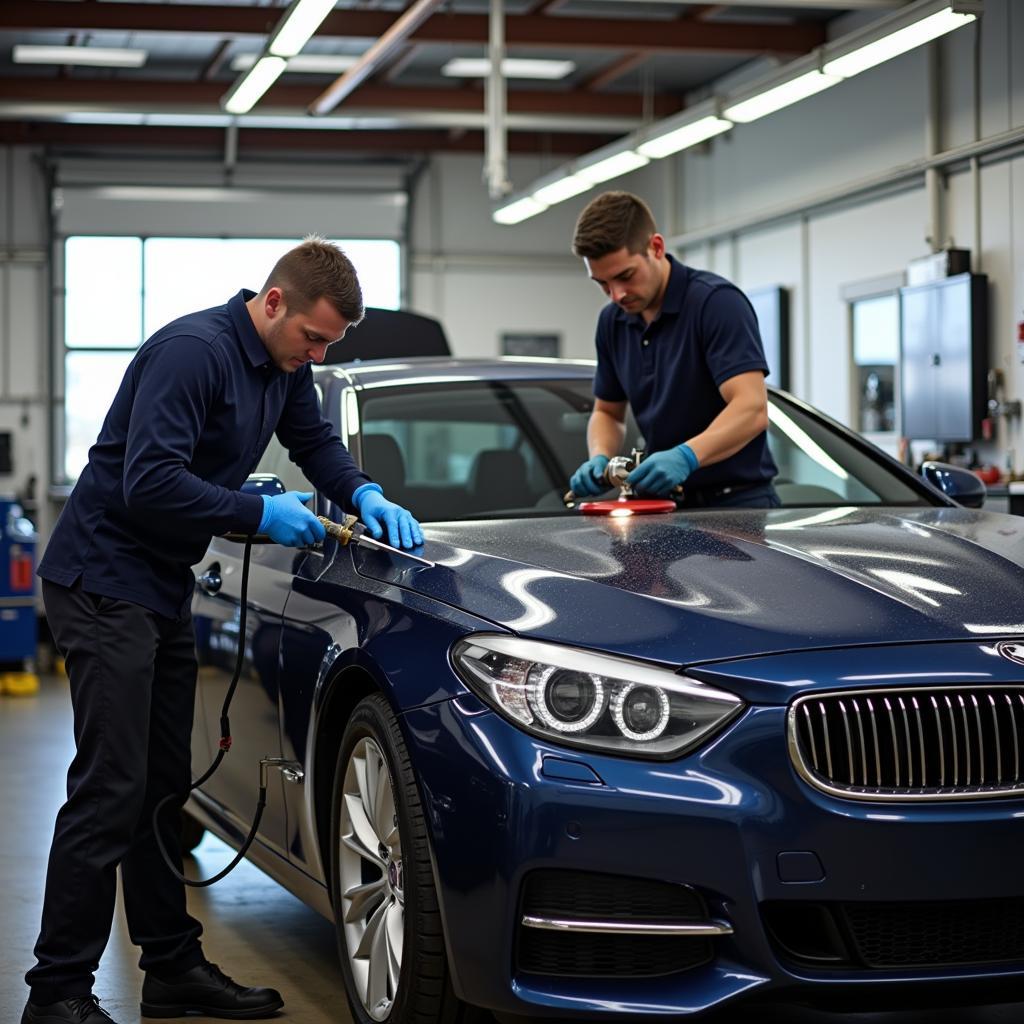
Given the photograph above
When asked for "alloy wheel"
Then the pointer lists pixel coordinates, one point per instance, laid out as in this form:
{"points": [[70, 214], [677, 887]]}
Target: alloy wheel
{"points": [[371, 877]]}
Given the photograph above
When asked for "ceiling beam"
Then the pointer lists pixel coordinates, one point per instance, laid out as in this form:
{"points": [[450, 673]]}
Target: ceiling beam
{"points": [[534, 30], [203, 97], [385, 48], [614, 71], [253, 140]]}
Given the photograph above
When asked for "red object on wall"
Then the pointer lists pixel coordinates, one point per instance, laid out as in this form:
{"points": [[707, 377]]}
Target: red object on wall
{"points": [[21, 572]]}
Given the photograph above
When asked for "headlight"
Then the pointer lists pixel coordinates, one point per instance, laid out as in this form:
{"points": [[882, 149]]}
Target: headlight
{"points": [[583, 699]]}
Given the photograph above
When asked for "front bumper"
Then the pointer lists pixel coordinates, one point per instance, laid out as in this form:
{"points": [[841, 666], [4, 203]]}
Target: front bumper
{"points": [[733, 821]]}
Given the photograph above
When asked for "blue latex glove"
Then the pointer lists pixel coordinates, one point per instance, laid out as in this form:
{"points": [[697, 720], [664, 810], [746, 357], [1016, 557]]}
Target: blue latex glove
{"points": [[287, 521], [661, 472], [377, 512], [588, 480]]}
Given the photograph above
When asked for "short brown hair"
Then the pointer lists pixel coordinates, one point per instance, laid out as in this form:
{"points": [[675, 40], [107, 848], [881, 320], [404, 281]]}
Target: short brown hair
{"points": [[613, 221], [318, 269]]}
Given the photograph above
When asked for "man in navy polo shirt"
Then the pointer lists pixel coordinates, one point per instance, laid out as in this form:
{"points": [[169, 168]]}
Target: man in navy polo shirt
{"points": [[189, 423], [681, 348]]}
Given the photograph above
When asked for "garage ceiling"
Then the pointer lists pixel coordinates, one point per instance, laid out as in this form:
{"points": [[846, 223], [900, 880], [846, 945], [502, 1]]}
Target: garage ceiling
{"points": [[632, 60]]}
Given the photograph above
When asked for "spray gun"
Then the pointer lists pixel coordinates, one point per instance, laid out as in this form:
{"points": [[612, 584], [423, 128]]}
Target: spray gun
{"points": [[351, 531], [348, 531]]}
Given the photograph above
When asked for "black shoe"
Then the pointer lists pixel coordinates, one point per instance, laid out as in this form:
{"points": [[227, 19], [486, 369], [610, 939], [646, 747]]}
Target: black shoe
{"points": [[67, 1011], [207, 990]]}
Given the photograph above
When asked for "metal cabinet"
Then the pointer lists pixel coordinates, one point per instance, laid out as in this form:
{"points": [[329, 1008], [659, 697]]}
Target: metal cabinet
{"points": [[942, 358]]}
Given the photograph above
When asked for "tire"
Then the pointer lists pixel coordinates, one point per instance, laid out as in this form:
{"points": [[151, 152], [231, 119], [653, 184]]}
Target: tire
{"points": [[387, 920], [191, 833]]}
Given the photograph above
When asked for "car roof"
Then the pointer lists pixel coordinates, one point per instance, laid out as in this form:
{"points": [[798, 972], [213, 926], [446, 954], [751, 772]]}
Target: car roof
{"points": [[378, 372]]}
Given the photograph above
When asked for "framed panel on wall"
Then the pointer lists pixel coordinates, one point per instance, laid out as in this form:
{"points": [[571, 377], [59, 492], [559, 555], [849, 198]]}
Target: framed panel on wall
{"points": [[772, 308], [545, 345]]}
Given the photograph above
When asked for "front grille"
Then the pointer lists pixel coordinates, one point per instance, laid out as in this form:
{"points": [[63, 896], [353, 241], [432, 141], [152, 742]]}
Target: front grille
{"points": [[584, 895], [886, 936], [930, 743]]}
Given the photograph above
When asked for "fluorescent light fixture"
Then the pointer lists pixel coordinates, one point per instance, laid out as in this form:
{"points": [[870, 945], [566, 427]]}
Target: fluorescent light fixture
{"points": [[243, 95], [779, 96], [900, 41], [304, 63], [511, 67], [300, 21], [686, 135], [518, 210], [95, 56], [612, 166], [561, 189]]}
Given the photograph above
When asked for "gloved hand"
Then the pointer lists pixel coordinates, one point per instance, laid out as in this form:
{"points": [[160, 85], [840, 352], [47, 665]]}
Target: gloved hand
{"points": [[661, 472], [376, 511], [588, 480], [287, 520]]}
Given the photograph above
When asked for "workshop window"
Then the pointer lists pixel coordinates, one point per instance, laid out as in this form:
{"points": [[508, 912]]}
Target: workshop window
{"points": [[120, 290]]}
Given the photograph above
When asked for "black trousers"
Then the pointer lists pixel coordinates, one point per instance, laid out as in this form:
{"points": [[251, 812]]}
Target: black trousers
{"points": [[133, 681]]}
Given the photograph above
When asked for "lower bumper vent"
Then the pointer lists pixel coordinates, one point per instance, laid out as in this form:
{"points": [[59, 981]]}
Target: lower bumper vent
{"points": [[887, 936], [571, 921]]}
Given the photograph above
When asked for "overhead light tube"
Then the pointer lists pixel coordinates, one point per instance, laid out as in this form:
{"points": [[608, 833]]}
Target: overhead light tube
{"points": [[93, 56], [896, 43], [518, 210], [772, 99], [561, 189], [669, 142], [243, 95], [300, 21]]}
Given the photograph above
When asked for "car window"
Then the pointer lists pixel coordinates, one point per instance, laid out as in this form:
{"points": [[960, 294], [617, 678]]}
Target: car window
{"points": [[451, 450], [819, 466], [275, 460]]}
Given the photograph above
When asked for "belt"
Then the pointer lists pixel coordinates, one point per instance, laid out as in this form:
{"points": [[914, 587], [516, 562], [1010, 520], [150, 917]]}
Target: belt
{"points": [[710, 494]]}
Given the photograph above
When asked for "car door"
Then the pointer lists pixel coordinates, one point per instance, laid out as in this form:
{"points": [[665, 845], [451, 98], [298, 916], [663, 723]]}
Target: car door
{"points": [[254, 715]]}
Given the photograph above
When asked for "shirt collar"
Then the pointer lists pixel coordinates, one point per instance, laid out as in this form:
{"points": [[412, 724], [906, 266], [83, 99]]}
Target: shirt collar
{"points": [[675, 290], [252, 345]]}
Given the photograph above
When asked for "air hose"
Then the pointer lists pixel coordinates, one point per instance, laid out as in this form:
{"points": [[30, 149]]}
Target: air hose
{"points": [[225, 746]]}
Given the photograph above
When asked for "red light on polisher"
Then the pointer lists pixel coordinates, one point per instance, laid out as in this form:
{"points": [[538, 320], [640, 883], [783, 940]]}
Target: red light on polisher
{"points": [[633, 507]]}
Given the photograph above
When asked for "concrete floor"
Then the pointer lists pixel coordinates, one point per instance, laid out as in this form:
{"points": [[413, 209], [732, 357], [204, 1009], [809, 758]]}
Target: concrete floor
{"points": [[256, 931]]}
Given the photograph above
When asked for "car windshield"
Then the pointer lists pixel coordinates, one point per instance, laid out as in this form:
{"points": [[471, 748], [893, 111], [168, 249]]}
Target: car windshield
{"points": [[476, 449]]}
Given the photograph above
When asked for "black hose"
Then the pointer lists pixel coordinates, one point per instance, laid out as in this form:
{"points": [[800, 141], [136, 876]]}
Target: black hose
{"points": [[225, 746]]}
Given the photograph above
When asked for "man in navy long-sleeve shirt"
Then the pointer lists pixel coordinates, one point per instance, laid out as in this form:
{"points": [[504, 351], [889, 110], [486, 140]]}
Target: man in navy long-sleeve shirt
{"points": [[189, 423]]}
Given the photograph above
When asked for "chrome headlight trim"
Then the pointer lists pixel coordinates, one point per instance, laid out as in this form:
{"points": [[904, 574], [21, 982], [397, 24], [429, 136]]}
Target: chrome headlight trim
{"points": [[504, 670]]}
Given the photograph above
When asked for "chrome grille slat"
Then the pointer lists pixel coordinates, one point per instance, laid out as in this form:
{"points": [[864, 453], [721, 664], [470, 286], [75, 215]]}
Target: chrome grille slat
{"points": [[895, 742], [863, 748], [956, 749], [981, 741], [849, 741], [906, 733], [874, 734], [920, 741], [967, 736], [810, 732], [967, 746], [999, 746], [942, 752], [828, 744], [1013, 732]]}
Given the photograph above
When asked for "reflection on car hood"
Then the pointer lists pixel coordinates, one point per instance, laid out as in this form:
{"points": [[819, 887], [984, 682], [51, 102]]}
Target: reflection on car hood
{"points": [[684, 588]]}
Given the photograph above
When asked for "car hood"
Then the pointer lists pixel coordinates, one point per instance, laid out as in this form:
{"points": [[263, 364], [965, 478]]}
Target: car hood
{"points": [[693, 587]]}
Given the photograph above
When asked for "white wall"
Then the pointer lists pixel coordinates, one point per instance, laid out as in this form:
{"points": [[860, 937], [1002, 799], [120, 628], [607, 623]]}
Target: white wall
{"points": [[24, 312], [481, 279]]}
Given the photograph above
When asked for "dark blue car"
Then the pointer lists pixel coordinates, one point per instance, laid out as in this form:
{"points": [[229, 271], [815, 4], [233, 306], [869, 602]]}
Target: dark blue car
{"points": [[615, 767]]}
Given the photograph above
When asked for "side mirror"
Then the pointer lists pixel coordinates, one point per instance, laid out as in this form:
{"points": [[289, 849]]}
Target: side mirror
{"points": [[263, 483], [959, 484]]}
